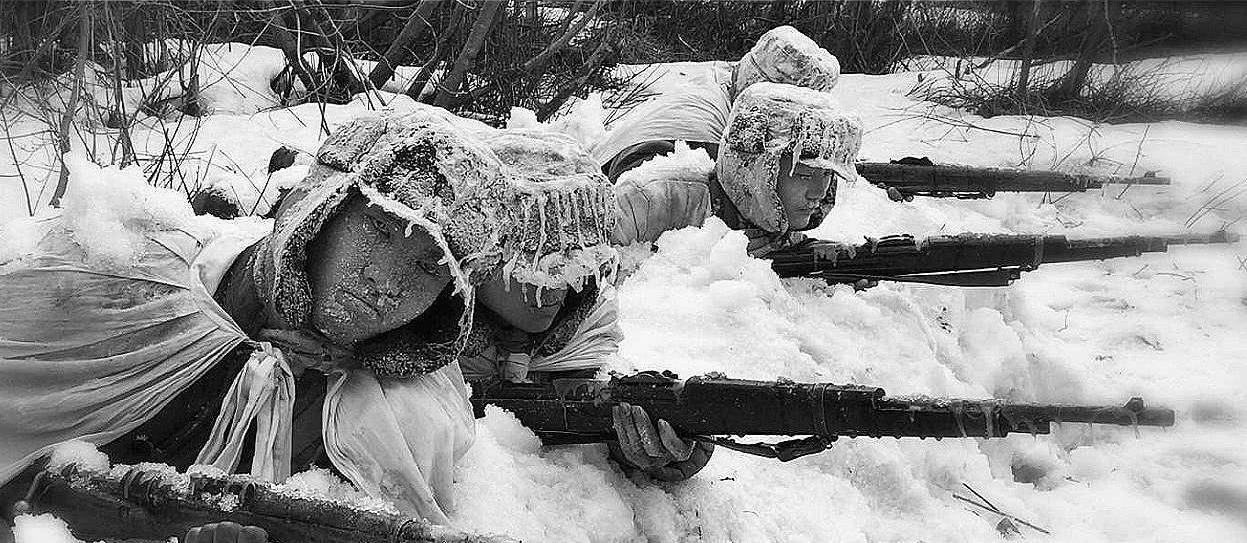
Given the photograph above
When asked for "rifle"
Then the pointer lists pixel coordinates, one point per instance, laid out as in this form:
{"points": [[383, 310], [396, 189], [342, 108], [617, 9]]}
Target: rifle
{"points": [[145, 503], [968, 260], [568, 410], [919, 176]]}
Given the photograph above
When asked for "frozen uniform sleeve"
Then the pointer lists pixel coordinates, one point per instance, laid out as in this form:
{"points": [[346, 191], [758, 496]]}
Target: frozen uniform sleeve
{"points": [[649, 207]]}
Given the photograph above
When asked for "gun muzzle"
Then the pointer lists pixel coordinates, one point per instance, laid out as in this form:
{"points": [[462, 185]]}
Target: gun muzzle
{"points": [[1144, 180], [1134, 413]]}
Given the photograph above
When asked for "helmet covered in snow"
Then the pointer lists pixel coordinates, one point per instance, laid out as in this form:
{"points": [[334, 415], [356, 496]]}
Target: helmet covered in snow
{"points": [[770, 120], [563, 209], [785, 55]]}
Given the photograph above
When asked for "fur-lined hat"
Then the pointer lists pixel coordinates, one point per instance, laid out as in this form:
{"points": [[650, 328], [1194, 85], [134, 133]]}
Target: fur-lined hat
{"points": [[552, 229], [565, 209], [769, 120], [417, 166], [427, 167], [785, 55]]}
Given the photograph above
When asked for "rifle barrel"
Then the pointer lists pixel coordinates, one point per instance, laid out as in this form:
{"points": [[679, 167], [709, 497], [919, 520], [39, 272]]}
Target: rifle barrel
{"points": [[579, 410], [969, 259], [967, 181]]}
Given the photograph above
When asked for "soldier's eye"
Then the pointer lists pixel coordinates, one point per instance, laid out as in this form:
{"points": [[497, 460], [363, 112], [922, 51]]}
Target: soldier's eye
{"points": [[380, 227]]}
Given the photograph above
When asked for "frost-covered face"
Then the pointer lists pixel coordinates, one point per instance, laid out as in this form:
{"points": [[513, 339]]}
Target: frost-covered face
{"points": [[801, 190], [368, 276], [520, 304]]}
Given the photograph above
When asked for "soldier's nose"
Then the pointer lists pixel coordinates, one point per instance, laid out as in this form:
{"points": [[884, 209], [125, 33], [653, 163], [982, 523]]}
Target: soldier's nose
{"points": [[375, 276]]}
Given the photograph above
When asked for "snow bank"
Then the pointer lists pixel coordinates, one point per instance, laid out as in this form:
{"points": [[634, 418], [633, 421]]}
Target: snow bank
{"points": [[44, 528], [107, 210], [1168, 327], [1182, 78], [584, 120]]}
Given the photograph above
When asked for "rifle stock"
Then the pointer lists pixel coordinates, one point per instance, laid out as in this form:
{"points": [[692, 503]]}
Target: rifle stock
{"points": [[985, 260], [579, 410], [153, 504], [919, 177]]}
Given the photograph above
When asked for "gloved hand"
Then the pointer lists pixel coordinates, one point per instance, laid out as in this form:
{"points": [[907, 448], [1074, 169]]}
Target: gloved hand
{"points": [[656, 449], [830, 251], [226, 532], [897, 196]]}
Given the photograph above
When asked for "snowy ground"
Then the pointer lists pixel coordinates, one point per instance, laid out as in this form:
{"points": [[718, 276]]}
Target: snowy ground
{"points": [[1167, 327]]}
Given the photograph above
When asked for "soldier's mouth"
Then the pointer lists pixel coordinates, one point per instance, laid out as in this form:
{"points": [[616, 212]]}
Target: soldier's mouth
{"points": [[360, 303]]}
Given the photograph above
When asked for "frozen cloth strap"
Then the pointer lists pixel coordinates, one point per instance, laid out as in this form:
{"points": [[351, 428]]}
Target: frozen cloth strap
{"points": [[263, 393]]}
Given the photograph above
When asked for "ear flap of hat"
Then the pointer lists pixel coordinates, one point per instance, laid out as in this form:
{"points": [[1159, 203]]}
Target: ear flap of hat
{"points": [[747, 171], [768, 122], [279, 266]]}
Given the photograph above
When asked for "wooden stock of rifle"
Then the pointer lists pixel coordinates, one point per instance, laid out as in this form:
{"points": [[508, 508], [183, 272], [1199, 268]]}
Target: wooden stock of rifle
{"points": [[153, 504]]}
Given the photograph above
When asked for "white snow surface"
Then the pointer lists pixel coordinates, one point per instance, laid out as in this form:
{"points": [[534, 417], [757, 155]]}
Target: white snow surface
{"points": [[1167, 327], [45, 528]]}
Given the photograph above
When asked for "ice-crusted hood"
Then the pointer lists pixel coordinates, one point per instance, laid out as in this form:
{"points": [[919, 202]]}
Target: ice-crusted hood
{"points": [[565, 209], [539, 216], [417, 166], [785, 55], [769, 120]]}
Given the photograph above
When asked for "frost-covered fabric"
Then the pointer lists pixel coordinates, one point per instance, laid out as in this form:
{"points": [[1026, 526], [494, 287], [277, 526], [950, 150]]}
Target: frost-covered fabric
{"points": [[594, 341], [399, 438], [785, 55], [562, 209], [541, 215], [262, 395], [416, 166], [90, 348], [678, 189], [665, 193], [769, 121], [698, 112]]}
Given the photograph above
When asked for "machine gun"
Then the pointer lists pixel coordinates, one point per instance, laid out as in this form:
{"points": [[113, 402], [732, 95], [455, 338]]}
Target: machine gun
{"points": [[568, 410], [920, 177], [136, 503], [967, 260]]}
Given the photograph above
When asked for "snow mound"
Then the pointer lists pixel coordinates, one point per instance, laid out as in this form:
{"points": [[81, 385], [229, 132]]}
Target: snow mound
{"points": [[235, 78], [584, 121], [106, 211], [44, 528], [80, 453], [544, 489], [683, 164], [322, 484]]}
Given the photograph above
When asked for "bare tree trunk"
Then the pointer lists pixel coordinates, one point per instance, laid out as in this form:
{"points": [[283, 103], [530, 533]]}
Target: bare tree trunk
{"points": [[539, 62], [530, 13], [448, 93], [591, 65], [1092, 44], [439, 52], [400, 50], [1028, 51], [67, 120], [118, 115]]}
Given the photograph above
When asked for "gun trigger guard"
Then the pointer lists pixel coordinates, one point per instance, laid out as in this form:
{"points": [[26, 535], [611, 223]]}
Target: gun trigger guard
{"points": [[782, 451]]}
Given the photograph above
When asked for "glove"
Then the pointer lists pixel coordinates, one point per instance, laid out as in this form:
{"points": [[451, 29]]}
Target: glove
{"points": [[226, 532], [656, 449], [896, 195], [830, 251]]}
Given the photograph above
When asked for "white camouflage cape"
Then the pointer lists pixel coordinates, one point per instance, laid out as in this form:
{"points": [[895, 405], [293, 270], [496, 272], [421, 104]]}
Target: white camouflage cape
{"points": [[89, 353]]}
